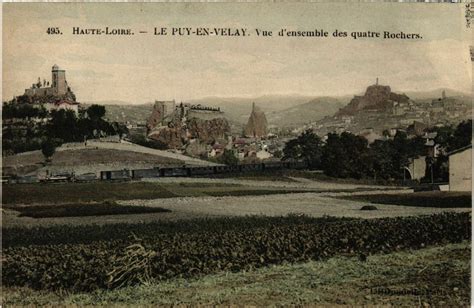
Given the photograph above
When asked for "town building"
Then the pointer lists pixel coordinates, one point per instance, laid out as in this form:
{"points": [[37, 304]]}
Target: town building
{"points": [[64, 104], [416, 168], [460, 169], [370, 135]]}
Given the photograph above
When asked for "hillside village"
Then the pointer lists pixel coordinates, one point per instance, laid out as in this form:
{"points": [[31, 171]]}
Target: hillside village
{"points": [[380, 113]]}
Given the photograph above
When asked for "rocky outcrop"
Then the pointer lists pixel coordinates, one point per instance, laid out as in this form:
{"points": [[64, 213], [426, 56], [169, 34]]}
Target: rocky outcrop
{"points": [[207, 131], [257, 123], [155, 118], [376, 97], [171, 136], [163, 111], [178, 134]]}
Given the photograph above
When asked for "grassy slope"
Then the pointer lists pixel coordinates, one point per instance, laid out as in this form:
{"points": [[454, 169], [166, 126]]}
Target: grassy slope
{"points": [[444, 271], [84, 157]]}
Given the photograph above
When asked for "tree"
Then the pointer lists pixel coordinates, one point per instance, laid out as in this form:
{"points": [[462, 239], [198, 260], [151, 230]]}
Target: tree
{"points": [[416, 147], [95, 112], [64, 125], [23, 110], [228, 158], [48, 148], [345, 156], [278, 154], [462, 136], [307, 147], [382, 155], [292, 150]]}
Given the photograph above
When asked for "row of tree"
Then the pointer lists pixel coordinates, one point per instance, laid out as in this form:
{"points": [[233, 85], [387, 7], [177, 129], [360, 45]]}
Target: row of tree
{"points": [[23, 111], [60, 126], [349, 156], [90, 123]]}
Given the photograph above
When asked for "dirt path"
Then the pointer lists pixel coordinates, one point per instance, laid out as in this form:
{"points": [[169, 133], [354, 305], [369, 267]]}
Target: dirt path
{"points": [[301, 180], [312, 204], [309, 184]]}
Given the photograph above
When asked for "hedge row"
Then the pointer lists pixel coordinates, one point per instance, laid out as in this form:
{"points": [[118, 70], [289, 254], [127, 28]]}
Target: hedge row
{"points": [[85, 234]]}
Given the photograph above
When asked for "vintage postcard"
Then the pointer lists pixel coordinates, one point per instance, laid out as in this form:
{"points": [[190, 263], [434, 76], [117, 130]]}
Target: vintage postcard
{"points": [[259, 154]]}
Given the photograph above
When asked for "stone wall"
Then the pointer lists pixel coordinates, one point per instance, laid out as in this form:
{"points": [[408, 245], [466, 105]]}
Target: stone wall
{"points": [[39, 91]]}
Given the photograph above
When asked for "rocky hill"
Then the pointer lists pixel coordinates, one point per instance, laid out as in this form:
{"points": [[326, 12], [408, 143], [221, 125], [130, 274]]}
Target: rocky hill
{"points": [[177, 134], [376, 97], [176, 126]]}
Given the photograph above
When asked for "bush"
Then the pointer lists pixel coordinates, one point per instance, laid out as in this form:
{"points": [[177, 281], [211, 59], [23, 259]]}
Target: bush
{"points": [[48, 148], [368, 208], [78, 210]]}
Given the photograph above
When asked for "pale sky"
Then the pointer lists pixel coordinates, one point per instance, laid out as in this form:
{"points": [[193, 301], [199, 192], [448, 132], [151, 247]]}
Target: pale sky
{"points": [[144, 67]]}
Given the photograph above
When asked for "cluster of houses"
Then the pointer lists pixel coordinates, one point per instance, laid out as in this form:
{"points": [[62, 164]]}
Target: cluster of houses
{"points": [[249, 148]]}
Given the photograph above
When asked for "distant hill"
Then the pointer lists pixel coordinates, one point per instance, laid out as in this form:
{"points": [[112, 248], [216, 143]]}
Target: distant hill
{"points": [[109, 102], [281, 110], [433, 94], [311, 111], [238, 109], [126, 111]]}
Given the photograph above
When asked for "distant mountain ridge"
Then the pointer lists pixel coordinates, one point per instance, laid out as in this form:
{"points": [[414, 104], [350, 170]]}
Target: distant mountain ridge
{"points": [[433, 94], [130, 113], [280, 110], [238, 109], [314, 110]]}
